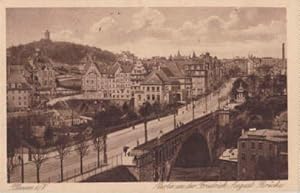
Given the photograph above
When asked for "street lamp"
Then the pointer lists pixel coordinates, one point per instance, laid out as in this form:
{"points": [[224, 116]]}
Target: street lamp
{"points": [[21, 158], [174, 111], [95, 113], [193, 103]]}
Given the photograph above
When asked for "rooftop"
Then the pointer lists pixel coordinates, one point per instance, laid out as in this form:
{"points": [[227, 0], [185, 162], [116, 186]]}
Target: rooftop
{"points": [[229, 155], [266, 134]]}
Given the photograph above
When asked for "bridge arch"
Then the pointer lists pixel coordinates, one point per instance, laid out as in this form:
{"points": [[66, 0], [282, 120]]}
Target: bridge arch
{"points": [[193, 152]]}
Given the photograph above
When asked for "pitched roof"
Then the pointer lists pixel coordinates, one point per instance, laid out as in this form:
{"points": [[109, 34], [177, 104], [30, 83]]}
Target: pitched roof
{"points": [[153, 78], [113, 69], [159, 77], [127, 68]]}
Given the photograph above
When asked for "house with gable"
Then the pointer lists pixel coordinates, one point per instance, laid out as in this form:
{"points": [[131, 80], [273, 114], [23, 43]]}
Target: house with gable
{"points": [[95, 80], [157, 87]]}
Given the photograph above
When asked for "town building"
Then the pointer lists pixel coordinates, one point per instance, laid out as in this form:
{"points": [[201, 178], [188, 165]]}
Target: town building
{"points": [[19, 92], [175, 73], [122, 79], [157, 87], [228, 163], [107, 82], [138, 74], [198, 75], [94, 80], [262, 154], [42, 74]]}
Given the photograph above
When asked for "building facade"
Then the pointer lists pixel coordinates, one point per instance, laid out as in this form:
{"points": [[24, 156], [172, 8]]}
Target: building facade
{"points": [[19, 93], [262, 154]]}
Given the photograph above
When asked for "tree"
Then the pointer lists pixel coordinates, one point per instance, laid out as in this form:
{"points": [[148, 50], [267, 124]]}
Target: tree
{"points": [[13, 142], [62, 150], [98, 143], [145, 111], [82, 149], [156, 108], [39, 157], [125, 107]]}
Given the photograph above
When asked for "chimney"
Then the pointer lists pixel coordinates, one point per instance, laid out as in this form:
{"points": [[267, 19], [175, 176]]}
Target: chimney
{"points": [[283, 51], [243, 132]]}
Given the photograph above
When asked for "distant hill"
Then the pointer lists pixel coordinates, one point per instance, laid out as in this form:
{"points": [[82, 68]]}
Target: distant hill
{"points": [[60, 52]]}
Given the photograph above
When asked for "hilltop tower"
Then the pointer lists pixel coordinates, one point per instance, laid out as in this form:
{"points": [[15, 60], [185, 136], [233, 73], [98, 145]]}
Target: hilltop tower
{"points": [[47, 35], [283, 51]]}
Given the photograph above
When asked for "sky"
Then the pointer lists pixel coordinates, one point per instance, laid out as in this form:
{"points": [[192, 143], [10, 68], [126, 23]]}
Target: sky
{"points": [[225, 32]]}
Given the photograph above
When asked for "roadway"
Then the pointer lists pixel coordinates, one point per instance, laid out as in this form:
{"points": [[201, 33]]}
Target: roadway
{"points": [[117, 140]]}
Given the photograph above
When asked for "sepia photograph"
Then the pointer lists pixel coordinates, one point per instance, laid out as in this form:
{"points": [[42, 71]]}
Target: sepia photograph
{"points": [[146, 94]]}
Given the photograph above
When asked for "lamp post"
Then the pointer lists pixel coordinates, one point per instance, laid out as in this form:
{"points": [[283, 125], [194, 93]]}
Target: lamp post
{"points": [[174, 111], [193, 103], [21, 158], [104, 146], [219, 106], [95, 113]]}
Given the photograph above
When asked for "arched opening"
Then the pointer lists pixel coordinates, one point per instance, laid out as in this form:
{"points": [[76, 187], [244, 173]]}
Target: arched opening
{"points": [[194, 153], [193, 161]]}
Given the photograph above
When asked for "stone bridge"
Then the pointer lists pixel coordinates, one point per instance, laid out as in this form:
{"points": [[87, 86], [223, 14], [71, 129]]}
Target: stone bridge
{"points": [[155, 159]]}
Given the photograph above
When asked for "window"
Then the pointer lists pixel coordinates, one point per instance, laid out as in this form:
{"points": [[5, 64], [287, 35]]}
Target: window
{"points": [[158, 98], [260, 146], [252, 145], [13, 97], [139, 97], [148, 97], [243, 156], [243, 145], [153, 97], [253, 156], [157, 89], [153, 88], [148, 89], [270, 146]]}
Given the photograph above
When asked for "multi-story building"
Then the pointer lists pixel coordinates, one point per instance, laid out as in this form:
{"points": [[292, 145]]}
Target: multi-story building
{"points": [[120, 75], [157, 87], [138, 74], [103, 82], [175, 73], [94, 80], [262, 154], [198, 75], [19, 92], [42, 74]]}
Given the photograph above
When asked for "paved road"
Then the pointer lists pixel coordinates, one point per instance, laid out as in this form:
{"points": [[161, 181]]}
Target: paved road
{"points": [[117, 140]]}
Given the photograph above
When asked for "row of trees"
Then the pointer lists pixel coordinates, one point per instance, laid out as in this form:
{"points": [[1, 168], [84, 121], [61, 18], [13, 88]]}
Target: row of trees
{"points": [[63, 147]]}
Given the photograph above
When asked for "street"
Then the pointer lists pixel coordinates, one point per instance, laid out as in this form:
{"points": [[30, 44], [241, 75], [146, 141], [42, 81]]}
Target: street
{"points": [[117, 140]]}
